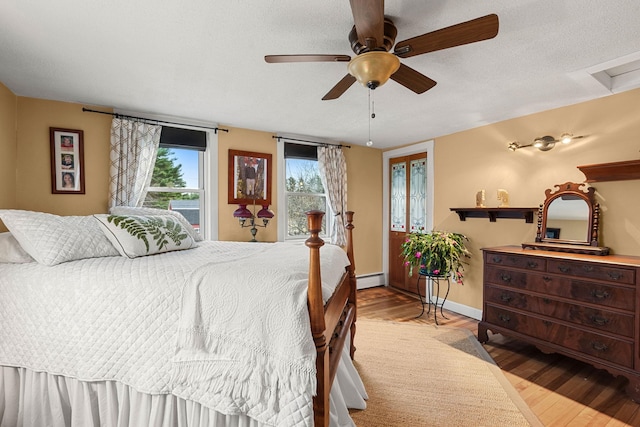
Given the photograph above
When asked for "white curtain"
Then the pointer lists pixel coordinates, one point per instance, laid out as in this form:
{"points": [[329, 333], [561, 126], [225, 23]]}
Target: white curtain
{"points": [[134, 147], [333, 172]]}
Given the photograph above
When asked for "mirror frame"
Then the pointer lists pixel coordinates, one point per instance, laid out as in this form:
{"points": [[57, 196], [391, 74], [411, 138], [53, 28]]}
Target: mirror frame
{"points": [[574, 190]]}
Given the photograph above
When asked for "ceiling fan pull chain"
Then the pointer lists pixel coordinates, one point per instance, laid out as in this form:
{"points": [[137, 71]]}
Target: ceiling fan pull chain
{"points": [[371, 116], [372, 109]]}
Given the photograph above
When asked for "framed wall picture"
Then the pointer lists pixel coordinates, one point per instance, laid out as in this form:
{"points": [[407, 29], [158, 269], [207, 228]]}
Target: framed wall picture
{"points": [[249, 178], [67, 161]]}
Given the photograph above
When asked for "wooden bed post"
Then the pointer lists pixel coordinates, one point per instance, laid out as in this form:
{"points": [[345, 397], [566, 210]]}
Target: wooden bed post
{"points": [[352, 279], [316, 315]]}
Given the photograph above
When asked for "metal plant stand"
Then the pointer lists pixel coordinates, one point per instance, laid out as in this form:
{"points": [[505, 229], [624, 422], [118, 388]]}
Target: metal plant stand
{"points": [[433, 283]]}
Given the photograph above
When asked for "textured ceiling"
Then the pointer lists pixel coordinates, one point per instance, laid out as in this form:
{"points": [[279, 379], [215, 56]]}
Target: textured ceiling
{"points": [[203, 60]]}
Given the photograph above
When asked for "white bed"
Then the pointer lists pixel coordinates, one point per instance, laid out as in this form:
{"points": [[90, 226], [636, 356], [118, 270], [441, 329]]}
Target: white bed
{"points": [[118, 341]]}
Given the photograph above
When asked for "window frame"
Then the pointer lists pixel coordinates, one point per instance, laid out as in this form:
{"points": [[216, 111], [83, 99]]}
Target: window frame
{"points": [[283, 199], [207, 172]]}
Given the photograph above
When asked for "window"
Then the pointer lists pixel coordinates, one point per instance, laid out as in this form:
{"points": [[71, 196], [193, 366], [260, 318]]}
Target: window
{"points": [[177, 183], [303, 189]]}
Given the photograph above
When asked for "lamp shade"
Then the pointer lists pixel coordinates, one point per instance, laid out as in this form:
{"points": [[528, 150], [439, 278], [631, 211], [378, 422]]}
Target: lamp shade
{"points": [[242, 212], [373, 69], [265, 213]]}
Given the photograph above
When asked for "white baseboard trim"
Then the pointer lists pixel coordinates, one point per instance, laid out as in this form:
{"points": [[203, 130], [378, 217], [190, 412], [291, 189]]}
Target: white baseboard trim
{"points": [[370, 280], [377, 279], [465, 310]]}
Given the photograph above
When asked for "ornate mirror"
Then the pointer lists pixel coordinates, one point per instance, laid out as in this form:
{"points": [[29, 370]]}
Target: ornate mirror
{"points": [[568, 221]]}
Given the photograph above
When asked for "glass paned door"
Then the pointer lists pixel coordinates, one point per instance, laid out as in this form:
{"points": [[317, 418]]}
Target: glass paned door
{"points": [[408, 211]]}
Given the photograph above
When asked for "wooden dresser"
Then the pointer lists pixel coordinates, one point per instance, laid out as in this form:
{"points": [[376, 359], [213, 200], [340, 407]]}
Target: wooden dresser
{"points": [[583, 306]]}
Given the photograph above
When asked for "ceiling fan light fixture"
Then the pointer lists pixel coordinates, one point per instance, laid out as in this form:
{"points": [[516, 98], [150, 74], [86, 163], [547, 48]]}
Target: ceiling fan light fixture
{"points": [[373, 69]]}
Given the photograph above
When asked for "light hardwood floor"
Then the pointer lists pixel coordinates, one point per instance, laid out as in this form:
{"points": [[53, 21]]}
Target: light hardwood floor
{"points": [[559, 390]]}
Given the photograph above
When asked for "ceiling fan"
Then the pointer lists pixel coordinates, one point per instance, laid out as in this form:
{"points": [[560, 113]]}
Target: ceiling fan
{"points": [[373, 36]]}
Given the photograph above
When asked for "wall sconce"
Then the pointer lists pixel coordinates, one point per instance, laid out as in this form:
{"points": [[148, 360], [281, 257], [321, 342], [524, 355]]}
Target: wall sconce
{"points": [[246, 218], [544, 143]]}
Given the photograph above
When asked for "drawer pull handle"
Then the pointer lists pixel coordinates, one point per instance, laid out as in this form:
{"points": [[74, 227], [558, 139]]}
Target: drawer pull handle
{"points": [[546, 323], [598, 346], [504, 317], [532, 264], [497, 259], [546, 278], [546, 300], [564, 269], [506, 297], [588, 268], [598, 320], [505, 277], [614, 275], [600, 294]]}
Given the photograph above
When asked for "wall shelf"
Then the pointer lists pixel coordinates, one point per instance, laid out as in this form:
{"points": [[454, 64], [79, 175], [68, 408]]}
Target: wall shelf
{"points": [[494, 213], [616, 171]]}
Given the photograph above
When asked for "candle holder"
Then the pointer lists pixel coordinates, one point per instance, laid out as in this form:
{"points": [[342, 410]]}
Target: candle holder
{"points": [[248, 219]]}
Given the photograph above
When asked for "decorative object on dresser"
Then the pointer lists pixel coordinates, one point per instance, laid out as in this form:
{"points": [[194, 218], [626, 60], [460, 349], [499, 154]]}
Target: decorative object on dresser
{"points": [[570, 207], [580, 305]]}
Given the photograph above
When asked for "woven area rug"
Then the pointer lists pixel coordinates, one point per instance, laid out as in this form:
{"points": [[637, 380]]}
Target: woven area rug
{"points": [[427, 375]]}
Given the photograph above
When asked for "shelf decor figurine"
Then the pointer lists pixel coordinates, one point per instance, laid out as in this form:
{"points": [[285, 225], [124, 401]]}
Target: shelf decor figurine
{"points": [[503, 197], [480, 199]]}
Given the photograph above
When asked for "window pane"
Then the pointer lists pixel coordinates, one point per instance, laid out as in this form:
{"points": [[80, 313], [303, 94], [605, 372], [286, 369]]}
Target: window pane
{"points": [[297, 205], [175, 169], [303, 176], [398, 196], [418, 196]]}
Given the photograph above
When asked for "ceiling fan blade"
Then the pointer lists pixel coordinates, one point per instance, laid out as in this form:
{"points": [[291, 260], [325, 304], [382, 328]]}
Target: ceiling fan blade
{"points": [[368, 17], [483, 28], [274, 59], [340, 88], [412, 80]]}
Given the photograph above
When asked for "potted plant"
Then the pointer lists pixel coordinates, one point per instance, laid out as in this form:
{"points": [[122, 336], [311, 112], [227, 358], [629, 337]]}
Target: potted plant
{"points": [[437, 253]]}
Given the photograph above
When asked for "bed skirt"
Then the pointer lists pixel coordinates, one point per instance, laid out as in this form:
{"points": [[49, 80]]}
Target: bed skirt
{"points": [[37, 399]]}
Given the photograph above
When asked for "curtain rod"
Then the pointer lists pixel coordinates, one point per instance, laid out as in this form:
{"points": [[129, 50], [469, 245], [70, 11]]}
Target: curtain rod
{"points": [[322, 144], [124, 116]]}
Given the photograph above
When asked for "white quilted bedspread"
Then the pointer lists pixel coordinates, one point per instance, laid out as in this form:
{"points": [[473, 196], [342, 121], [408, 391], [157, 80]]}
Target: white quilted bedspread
{"points": [[115, 318]]}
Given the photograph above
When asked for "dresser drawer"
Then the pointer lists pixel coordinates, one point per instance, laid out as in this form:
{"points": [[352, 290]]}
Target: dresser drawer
{"points": [[517, 261], [593, 271], [599, 320], [603, 347], [602, 294]]}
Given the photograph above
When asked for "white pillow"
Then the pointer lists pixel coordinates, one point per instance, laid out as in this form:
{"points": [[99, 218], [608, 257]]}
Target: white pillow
{"points": [[135, 235], [11, 251], [132, 210], [52, 239]]}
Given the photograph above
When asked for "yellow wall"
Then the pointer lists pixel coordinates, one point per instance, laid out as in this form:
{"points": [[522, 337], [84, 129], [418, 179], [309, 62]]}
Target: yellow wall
{"points": [[35, 117], [8, 130], [245, 140], [477, 159], [364, 177]]}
